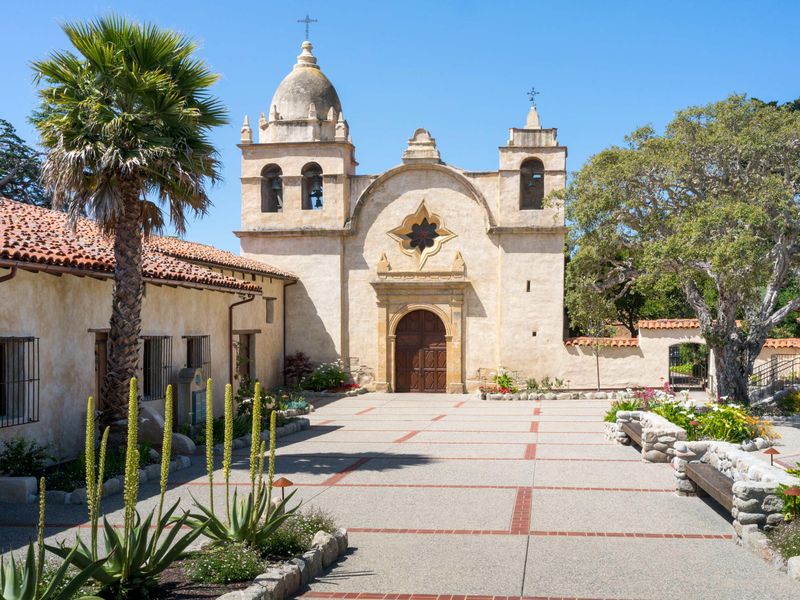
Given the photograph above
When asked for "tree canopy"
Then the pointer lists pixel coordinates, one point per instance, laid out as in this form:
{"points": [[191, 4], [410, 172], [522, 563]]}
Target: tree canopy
{"points": [[712, 205], [20, 169]]}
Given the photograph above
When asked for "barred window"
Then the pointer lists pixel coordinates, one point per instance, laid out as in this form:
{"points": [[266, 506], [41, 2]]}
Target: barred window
{"points": [[19, 380], [270, 310], [198, 353], [157, 366]]}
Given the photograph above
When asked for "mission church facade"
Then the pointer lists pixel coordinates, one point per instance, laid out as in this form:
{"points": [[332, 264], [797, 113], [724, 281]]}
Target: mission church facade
{"points": [[424, 277]]}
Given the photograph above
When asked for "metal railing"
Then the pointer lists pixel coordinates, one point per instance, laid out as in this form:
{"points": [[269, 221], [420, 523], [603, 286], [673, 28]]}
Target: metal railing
{"points": [[773, 376], [19, 380]]}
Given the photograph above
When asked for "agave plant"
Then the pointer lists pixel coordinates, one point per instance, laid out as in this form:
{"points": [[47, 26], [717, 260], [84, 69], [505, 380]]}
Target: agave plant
{"points": [[138, 555], [252, 519], [23, 581], [137, 552]]}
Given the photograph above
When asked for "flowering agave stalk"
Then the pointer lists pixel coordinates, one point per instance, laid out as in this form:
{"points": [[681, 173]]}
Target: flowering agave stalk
{"points": [[139, 553], [95, 473], [166, 450], [227, 447], [210, 440], [255, 435], [252, 519]]}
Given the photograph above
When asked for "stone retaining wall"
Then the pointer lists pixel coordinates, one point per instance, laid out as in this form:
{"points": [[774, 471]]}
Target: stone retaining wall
{"points": [[658, 434], [285, 580], [755, 501]]}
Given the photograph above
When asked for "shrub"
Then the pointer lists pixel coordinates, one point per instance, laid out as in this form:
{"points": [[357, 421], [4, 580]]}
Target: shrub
{"points": [[298, 366], [325, 377], [790, 403], [295, 535], [622, 404], [730, 423], [21, 458], [506, 383], [224, 564], [785, 538]]}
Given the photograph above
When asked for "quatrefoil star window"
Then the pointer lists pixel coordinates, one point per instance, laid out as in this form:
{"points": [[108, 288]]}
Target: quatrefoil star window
{"points": [[421, 234]]}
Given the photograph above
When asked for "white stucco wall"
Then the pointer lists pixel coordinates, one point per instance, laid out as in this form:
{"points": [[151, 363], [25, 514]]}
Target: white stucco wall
{"points": [[61, 311]]}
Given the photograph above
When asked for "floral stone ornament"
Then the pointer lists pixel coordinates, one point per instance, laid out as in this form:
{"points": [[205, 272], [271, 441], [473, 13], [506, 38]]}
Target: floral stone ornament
{"points": [[421, 234]]}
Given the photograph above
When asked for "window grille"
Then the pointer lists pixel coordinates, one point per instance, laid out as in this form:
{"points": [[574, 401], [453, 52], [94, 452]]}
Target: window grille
{"points": [[270, 308], [19, 380], [157, 366], [198, 353]]}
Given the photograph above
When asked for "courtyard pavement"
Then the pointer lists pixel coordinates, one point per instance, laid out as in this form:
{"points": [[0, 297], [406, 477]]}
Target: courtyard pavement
{"points": [[450, 496]]}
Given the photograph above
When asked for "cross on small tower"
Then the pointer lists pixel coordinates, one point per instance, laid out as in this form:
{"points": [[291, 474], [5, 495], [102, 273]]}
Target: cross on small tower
{"points": [[532, 96], [308, 20]]}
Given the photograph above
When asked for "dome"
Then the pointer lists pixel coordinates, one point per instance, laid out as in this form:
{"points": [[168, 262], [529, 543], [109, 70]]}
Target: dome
{"points": [[305, 85]]}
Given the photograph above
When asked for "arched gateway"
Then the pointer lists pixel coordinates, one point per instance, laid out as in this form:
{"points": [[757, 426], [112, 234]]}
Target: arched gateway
{"points": [[421, 353]]}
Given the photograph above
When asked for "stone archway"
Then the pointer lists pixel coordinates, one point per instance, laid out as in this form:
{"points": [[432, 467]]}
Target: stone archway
{"points": [[420, 353]]}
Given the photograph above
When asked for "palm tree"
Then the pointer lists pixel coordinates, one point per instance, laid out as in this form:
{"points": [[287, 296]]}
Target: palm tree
{"points": [[125, 122]]}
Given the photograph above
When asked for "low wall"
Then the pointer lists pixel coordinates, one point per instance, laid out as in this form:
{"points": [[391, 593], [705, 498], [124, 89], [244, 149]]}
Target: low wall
{"points": [[658, 435], [755, 501]]}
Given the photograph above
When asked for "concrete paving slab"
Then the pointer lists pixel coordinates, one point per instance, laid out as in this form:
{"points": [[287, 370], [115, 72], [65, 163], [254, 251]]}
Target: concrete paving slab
{"points": [[630, 512], [570, 426], [603, 474], [443, 473], [506, 437], [484, 452], [449, 424], [587, 451], [426, 508], [645, 568], [429, 564], [570, 437]]}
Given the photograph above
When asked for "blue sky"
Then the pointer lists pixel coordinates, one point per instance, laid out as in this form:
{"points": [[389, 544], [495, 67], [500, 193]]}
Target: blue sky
{"points": [[459, 68]]}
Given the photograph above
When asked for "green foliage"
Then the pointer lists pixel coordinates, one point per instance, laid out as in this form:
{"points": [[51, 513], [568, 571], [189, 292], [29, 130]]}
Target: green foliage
{"points": [[294, 536], [130, 105], [70, 475], [25, 581], [240, 426], [326, 376], [545, 385], [786, 539], [730, 423], [225, 563], [505, 382], [708, 203], [790, 403], [622, 404], [20, 169], [22, 458]]}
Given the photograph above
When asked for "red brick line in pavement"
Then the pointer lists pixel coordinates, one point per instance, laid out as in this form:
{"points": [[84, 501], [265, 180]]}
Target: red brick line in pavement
{"points": [[370, 596], [530, 452], [324, 422], [537, 411], [365, 411], [406, 437], [538, 533], [346, 471], [438, 417], [521, 517], [459, 404], [534, 426]]}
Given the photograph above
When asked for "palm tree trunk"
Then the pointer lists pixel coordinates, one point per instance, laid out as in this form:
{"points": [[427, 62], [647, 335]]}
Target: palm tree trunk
{"points": [[125, 326]]}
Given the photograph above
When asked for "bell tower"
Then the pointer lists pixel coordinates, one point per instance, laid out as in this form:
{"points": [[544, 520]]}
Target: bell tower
{"points": [[297, 176]]}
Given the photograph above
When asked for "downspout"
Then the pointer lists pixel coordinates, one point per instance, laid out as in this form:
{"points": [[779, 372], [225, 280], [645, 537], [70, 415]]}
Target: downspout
{"points": [[10, 275], [283, 308], [250, 298]]}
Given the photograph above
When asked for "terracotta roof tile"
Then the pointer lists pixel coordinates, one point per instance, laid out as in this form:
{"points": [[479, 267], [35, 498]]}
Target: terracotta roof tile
{"points": [[611, 342], [194, 251], [669, 324], [30, 234], [782, 343]]}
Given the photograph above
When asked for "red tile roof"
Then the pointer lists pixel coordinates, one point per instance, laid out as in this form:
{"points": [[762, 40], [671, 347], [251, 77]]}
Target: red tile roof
{"points": [[29, 234], [782, 343], [611, 342], [669, 324], [196, 252]]}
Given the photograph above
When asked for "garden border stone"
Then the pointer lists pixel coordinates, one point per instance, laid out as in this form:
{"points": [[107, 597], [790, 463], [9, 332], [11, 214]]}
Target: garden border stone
{"points": [[285, 580], [298, 424], [658, 434], [551, 395]]}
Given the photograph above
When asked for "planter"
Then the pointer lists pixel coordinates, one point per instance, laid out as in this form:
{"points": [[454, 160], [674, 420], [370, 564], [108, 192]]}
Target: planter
{"points": [[285, 580]]}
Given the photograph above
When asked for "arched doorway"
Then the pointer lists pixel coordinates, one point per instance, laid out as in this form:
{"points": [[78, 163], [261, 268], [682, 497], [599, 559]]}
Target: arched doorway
{"points": [[420, 353]]}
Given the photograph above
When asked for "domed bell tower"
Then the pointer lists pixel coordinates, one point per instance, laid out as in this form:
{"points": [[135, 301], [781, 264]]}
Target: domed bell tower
{"points": [[297, 175]]}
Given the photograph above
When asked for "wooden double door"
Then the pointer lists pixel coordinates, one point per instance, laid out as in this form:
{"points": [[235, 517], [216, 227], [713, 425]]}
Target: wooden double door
{"points": [[420, 353]]}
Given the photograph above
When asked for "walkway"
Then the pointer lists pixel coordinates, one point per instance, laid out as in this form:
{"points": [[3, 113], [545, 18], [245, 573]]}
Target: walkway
{"points": [[446, 495]]}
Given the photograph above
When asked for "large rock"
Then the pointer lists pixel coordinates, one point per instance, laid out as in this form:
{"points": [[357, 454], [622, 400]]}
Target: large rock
{"points": [[182, 444], [341, 540], [151, 425], [793, 567], [313, 558], [329, 546], [17, 490]]}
